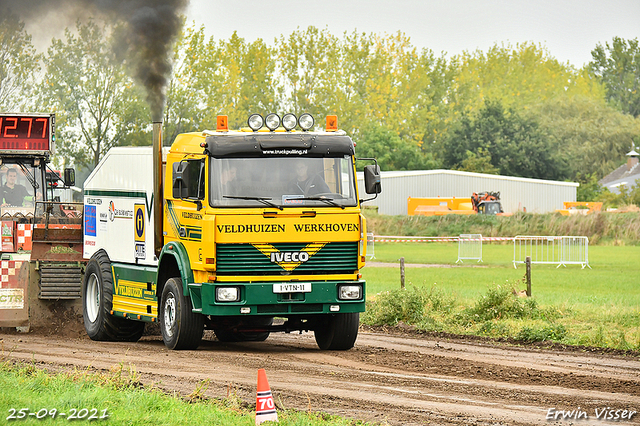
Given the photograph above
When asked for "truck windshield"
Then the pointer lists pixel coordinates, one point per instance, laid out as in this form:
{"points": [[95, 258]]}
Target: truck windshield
{"points": [[283, 182]]}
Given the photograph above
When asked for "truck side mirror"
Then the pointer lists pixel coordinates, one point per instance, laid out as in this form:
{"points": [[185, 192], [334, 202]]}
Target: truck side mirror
{"points": [[188, 179], [372, 179], [180, 180], [69, 177]]}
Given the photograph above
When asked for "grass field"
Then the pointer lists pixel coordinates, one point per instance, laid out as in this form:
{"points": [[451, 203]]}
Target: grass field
{"points": [[598, 306], [117, 398]]}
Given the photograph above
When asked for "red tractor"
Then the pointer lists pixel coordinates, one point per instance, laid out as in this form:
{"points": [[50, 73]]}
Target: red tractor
{"points": [[41, 260]]}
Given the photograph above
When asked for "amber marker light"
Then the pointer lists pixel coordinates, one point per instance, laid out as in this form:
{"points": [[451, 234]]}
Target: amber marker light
{"points": [[332, 123], [222, 123]]}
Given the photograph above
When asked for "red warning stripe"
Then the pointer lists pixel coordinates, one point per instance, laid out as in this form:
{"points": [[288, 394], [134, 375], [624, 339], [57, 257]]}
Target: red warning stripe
{"points": [[394, 239]]}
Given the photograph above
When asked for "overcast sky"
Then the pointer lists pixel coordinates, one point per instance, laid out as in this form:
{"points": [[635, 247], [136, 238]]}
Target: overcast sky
{"points": [[569, 29]]}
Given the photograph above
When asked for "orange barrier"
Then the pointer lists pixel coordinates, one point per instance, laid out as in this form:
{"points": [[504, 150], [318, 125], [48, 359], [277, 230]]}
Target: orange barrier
{"points": [[437, 206], [580, 207]]}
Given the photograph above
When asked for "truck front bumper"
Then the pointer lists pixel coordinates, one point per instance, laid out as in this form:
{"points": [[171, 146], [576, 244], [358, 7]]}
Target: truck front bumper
{"points": [[268, 298]]}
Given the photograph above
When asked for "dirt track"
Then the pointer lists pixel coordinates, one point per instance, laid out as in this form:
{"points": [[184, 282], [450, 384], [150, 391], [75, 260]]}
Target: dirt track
{"points": [[398, 379]]}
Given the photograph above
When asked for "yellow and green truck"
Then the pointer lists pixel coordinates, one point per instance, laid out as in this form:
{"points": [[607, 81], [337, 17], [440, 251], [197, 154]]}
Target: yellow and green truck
{"points": [[242, 232]]}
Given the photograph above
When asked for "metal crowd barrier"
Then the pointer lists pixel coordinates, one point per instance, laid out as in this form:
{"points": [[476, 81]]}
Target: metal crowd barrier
{"points": [[370, 245], [562, 251], [469, 247]]}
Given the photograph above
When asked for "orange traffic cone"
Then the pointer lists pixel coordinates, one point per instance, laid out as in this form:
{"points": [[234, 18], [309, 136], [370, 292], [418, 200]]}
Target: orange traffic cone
{"points": [[265, 407]]}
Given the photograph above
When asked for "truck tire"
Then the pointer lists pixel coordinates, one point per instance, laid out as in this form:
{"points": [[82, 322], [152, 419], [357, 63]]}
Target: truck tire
{"points": [[181, 328], [97, 302], [225, 335], [337, 332]]}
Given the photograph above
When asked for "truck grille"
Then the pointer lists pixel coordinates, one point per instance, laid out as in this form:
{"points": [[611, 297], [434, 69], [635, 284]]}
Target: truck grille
{"points": [[246, 259]]}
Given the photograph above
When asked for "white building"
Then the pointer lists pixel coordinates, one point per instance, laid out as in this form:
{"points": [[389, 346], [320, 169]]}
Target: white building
{"points": [[516, 194]]}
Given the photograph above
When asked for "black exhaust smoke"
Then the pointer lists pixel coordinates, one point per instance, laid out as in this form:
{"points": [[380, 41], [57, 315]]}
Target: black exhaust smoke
{"points": [[149, 31], [150, 28]]}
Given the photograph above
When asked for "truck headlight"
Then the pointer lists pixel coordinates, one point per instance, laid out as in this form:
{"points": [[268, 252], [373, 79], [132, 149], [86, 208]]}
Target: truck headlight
{"points": [[350, 292], [255, 122], [272, 121], [306, 121], [227, 294], [289, 122]]}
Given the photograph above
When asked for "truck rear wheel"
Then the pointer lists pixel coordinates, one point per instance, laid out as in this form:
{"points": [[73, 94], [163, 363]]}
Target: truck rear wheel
{"points": [[97, 301], [337, 332], [181, 328]]}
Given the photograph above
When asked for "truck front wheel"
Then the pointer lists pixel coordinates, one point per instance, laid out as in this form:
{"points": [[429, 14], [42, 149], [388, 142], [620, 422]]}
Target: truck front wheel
{"points": [[337, 331], [97, 302], [181, 328]]}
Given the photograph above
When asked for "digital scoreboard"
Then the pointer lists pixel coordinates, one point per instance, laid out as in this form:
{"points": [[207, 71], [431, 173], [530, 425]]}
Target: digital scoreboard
{"points": [[27, 132]]}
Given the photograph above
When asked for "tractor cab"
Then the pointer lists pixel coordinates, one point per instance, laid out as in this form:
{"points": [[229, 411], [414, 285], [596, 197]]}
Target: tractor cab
{"points": [[490, 207]]}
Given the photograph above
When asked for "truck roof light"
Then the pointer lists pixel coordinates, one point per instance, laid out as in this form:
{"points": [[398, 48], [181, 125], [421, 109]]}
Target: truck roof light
{"points": [[255, 122], [272, 121], [222, 123], [306, 121], [289, 121], [332, 123]]}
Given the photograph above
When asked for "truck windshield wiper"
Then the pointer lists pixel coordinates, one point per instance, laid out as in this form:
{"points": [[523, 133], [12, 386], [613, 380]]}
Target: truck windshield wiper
{"points": [[263, 200], [326, 200]]}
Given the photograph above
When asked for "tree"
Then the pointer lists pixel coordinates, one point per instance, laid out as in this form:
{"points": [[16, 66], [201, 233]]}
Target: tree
{"points": [[19, 64], [589, 132], [392, 152], [90, 93], [516, 145], [308, 62], [233, 78], [478, 162], [589, 189], [368, 81], [618, 65], [184, 109], [518, 77]]}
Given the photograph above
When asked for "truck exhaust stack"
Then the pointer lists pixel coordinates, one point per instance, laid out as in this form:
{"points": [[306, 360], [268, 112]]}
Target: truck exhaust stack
{"points": [[157, 187]]}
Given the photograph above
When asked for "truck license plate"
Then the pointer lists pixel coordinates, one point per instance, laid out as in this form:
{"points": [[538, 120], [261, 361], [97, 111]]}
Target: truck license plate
{"points": [[292, 288]]}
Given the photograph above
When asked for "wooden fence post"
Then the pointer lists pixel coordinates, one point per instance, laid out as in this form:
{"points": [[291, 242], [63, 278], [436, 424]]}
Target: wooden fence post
{"points": [[402, 272]]}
